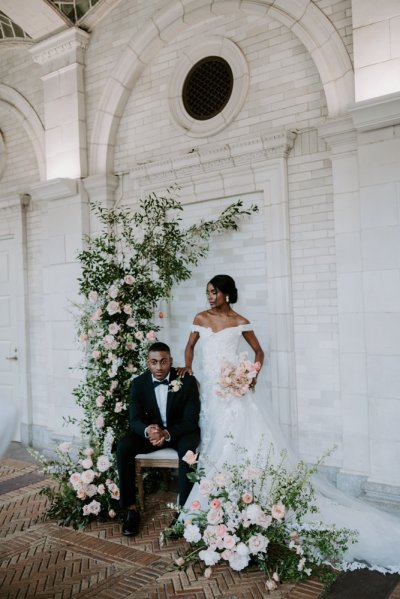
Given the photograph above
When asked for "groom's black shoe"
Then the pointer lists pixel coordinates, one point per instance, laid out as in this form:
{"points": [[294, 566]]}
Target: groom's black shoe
{"points": [[130, 527]]}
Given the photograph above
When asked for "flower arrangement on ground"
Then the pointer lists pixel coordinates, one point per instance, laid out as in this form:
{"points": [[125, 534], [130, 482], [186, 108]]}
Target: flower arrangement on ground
{"points": [[255, 513], [126, 271], [237, 378]]}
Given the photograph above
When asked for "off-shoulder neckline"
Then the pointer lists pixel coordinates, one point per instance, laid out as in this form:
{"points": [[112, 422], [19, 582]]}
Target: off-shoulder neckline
{"points": [[238, 326]]}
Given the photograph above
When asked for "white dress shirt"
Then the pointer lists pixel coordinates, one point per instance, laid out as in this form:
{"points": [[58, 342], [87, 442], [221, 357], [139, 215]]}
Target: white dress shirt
{"points": [[161, 392]]}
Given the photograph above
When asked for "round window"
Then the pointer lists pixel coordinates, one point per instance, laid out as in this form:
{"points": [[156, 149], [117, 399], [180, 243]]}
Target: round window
{"points": [[207, 88]]}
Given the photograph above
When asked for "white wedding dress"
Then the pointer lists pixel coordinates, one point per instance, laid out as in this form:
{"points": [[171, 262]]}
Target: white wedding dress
{"points": [[244, 421]]}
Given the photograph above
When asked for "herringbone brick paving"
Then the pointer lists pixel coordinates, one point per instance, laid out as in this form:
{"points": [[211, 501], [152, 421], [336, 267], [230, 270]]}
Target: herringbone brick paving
{"points": [[40, 559]]}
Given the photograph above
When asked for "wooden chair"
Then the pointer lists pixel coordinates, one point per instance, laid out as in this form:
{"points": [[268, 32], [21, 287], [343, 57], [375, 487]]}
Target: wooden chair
{"points": [[162, 458]]}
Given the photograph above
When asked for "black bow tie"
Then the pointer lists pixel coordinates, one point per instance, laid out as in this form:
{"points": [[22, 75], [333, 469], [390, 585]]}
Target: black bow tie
{"points": [[164, 382]]}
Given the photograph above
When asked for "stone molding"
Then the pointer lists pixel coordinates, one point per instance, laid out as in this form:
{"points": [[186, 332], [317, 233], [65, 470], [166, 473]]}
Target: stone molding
{"points": [[201, 48], [55, 189], [15, 202], [71, 44], [101, 189], [376, 113], [339, 134], [217, 158]]}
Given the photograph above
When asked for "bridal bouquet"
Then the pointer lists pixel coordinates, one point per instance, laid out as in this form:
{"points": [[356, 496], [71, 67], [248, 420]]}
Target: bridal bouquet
{"points": [[236, 379], [251, 513]]}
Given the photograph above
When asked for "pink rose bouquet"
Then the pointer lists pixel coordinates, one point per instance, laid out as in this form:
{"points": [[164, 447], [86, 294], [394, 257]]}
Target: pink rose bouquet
{"points": [[237, 379]]}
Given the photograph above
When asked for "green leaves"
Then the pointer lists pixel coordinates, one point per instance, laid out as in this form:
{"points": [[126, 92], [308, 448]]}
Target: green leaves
{"points": [[126, 270]]}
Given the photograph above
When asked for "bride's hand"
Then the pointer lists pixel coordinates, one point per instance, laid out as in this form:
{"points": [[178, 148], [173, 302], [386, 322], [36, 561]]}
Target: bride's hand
{"points": [[182, 370]]}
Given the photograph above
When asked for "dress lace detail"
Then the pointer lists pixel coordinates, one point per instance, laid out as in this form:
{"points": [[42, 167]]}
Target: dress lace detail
{"points": [[247, 421]]}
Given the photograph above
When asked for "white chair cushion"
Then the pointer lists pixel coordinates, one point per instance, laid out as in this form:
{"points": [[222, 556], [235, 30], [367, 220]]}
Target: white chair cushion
{"points": [[162, 454]]}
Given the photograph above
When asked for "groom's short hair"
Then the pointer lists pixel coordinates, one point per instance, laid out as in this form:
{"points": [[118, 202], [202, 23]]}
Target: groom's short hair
{"points": [[159, 346]]}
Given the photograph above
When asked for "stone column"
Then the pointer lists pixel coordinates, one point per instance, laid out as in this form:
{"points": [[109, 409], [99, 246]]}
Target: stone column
{"points": [[62, 60], [65, 221]]}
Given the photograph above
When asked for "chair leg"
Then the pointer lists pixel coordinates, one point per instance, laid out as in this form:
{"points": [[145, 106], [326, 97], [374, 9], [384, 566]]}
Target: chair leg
{"points": [[139, 482]]}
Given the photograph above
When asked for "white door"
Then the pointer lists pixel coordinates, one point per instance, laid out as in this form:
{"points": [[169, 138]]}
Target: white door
{"points": [[8, 338]]}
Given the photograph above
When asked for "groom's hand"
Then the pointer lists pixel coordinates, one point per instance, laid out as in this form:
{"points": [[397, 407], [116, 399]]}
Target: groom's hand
{"points": [[157, 435]]}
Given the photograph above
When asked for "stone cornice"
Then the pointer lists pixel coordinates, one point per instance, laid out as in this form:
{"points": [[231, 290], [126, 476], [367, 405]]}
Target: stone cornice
{"points": [[101, 189], [15, 202], [376, 113], [55, 189], [339, 134], [70, 45], [216, 158]]}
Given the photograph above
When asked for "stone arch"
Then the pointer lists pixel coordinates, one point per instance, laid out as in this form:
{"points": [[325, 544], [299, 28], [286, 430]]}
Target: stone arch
{"points": [[26, 115], [302, 17]]}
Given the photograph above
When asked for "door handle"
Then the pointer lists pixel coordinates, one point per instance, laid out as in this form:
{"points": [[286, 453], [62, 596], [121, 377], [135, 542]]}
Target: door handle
{"points": [[11, 358]]}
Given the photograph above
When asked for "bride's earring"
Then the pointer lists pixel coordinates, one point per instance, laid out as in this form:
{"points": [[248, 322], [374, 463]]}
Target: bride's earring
{"points": [[227, 299]]}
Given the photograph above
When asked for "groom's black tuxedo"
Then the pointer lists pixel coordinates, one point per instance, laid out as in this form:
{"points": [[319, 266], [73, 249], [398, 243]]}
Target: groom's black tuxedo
{"points": [[182, 415]]}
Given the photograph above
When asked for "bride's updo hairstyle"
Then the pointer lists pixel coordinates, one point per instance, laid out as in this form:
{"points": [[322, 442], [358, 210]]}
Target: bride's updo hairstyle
{"points": [[226, 284]]}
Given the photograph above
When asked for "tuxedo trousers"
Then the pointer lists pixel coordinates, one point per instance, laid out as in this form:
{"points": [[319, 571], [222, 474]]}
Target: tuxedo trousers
{"points": [[132, 444]]}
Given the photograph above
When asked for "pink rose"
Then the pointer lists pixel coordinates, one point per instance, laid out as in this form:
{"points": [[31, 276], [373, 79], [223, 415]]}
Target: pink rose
{"points": [[112, 513], [229, 542], [151, 336], [75, 479], [93, 296], [139, 335], [129, 279], [118, 407], [205, 486], [97, 315], [83, 337], [130, 345], [278, 511], [127, 309], [96, 354], [88, 477], [99, 401], [215, 516], [113, 385], [215, 503], [99, 421], [87, 463], [247, 498], [113, 328], [196, 505], [101, 489], [221, 530], [131, 322], [190, 457], [113, 308]]}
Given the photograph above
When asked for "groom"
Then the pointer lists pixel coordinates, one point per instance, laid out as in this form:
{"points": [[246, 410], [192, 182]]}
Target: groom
{"points": [[163, 412]]}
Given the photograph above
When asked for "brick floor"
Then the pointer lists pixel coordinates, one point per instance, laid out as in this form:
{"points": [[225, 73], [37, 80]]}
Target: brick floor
{"points": [[40, 559]]}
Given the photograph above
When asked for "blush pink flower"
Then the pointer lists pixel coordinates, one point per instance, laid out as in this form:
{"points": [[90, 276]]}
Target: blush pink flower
{"points": [[75, 479], [87, 463], [112, 513], [113, 308], [131, 322], [88, 451], [196, 505], [99, 421], [96, 354], [207, 572], [190, 457], [205, 486], [93, 296], [215, 516], [83, 337], [101, 489], [96, 315], [103, 463], [229, 542], [151, 336], [113, 291], [278, 511], [271, 585], [99, 401], [88, 477], [247, 498], [129, 279], [215, 503], [113, 328], [118, 407], [139, 335], [127, 309]]}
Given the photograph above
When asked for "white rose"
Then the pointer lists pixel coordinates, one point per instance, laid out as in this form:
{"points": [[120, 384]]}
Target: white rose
{"points": [[238, 562], [258, 543], [103, 463]]}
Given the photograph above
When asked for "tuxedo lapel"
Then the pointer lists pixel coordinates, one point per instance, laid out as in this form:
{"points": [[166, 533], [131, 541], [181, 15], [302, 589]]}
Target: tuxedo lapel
{"points": [[171, 394]]}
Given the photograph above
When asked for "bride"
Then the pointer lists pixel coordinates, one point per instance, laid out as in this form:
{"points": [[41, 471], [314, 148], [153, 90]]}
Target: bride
{"points": [[245, 421]]}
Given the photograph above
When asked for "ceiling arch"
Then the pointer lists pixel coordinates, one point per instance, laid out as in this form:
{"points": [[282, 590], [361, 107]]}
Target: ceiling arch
{"points": [[302, 17], [29, 120]]}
